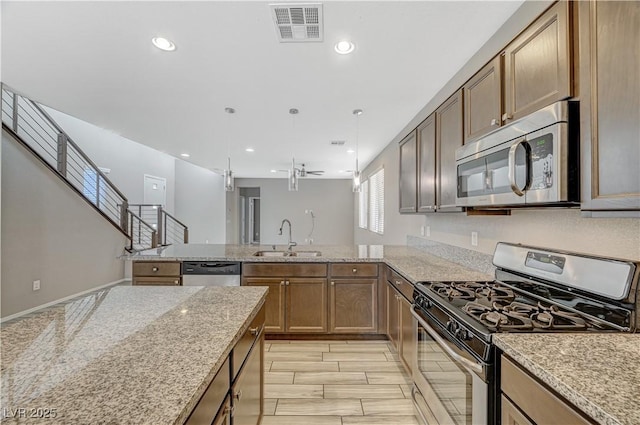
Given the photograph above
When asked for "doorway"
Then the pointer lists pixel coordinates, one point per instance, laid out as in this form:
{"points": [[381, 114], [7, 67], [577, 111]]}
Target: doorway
{"points": [[249, 215], [155, 190]]}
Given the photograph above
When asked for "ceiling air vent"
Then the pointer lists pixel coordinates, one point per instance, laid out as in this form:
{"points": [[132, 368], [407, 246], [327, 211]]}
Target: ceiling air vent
{"points": [[298, 23]]}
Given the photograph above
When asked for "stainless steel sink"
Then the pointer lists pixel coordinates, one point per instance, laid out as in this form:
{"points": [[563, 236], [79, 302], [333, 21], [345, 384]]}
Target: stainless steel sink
{"points": [[306, 253], [271, 254], [287, 254]]}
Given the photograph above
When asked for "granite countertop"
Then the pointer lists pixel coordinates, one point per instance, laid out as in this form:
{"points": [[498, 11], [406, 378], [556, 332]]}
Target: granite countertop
{"points": [[598, 373], [136, 355], [414, 264]]}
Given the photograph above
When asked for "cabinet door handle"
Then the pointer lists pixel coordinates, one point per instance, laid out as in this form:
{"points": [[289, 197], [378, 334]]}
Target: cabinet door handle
{"points": [[398, 282], [154, 269], [332, 283], [495, 122], [230, 410], [282, 282], [254, 331], [286, 282], [237, 395], [506, 117]]}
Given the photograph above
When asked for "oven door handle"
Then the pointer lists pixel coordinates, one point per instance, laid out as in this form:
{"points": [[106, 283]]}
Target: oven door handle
{"points": [[475, 367]]}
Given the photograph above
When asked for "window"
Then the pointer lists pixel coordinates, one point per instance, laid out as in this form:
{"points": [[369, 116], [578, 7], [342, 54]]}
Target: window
{"points": [[376, 202], [363, 204]]}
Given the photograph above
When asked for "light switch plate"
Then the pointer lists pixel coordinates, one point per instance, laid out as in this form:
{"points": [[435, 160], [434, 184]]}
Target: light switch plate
{"points": [[36, 285], [474, 238]]}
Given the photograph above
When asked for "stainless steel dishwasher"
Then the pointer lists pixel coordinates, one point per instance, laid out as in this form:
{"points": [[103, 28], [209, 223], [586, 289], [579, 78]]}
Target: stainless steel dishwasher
{"points": [[211, 273]]}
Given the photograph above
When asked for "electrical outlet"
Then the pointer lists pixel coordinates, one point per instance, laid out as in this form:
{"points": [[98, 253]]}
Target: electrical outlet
{"points": [[36, 285], [428, 231], [474, 238], [422, 231]]}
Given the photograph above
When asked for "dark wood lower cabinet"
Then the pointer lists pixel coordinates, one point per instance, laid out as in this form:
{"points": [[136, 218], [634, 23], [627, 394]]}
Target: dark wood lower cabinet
{"points": [[408, 335], [247, 392], [275, 302], [236, 394], [306, 305], [393, 316], [526, 401], [353, 305]]}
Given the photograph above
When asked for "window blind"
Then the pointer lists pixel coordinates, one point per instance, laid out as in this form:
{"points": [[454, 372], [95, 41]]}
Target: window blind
{"points": [[376, 202], [363, 205]]}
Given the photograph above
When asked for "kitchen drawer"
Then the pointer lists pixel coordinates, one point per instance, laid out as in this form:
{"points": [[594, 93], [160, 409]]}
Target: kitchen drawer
{"points": [[535, 400], [143, 268], [354, 270], [242, 348], [213, 398], [284, 270], [403, 285], [159, 281]]}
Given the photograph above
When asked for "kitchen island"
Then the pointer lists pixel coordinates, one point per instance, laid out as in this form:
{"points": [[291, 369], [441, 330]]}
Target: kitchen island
{"points": [[597, 373], [414, 264], [134, 355]]}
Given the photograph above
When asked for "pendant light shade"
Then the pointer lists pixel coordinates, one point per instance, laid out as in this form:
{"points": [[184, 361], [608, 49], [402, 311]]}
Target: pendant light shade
{"points": [[357, 184], [228, 174], [293, 173], [228, 178], [293, 177]]}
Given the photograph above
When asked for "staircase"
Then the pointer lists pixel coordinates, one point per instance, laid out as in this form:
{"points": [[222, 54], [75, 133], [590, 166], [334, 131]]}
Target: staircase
{"points": [[145, 226]]}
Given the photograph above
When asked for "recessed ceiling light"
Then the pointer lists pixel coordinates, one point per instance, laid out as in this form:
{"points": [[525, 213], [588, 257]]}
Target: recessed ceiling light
{"points": [[274, 171], [163, 44], [186, 155], [250, 150], [344, 47], [351, 151]]}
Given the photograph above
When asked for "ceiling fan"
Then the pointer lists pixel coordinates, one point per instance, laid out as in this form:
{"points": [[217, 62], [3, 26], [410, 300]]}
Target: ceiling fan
{"points": [[303, 172]]}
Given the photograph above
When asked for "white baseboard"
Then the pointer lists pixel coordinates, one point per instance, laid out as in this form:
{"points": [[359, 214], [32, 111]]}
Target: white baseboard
{"points": [[49, 304]]}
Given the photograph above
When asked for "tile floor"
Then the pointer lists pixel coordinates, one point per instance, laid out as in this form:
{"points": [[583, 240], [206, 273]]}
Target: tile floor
{"points": [[335, 383]]}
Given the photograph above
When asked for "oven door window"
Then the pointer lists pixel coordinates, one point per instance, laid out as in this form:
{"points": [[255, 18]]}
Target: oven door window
{"points": [[450, 385]]}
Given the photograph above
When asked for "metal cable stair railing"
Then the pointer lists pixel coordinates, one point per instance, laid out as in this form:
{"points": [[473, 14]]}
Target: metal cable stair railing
{"points": [[170, 229], [30, 125]]}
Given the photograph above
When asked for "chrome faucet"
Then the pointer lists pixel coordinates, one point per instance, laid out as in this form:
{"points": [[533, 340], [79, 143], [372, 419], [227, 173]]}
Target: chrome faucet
{"points": [[291, 243]]}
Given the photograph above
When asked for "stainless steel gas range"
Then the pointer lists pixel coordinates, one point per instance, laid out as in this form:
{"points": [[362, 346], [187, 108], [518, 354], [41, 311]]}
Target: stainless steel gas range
{"points": [[535, 290]]}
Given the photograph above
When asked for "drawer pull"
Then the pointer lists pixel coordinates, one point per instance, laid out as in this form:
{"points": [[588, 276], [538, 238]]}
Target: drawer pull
{"points": [[154, 269], [355, 270], [398, 282], [254, 331], [238, 395]]}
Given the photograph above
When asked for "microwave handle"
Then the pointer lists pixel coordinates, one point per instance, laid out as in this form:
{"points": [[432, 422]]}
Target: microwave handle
{"points": [[512, 166]]}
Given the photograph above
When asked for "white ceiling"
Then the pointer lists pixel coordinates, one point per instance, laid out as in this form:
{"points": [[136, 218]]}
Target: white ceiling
{"points": [[95, 61]]}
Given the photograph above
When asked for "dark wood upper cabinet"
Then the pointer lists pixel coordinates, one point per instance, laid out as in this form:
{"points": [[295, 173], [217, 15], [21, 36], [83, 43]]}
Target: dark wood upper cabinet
{"points": [[408, 174], [609, 48], [537, 64], [449, 137], [483, 101], [427, 165]]}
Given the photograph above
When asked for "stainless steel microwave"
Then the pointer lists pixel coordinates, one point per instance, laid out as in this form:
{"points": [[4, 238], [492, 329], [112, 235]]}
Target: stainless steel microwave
{"points": [[531, 162]]}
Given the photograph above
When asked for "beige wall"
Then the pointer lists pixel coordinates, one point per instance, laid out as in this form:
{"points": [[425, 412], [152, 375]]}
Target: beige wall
{"points": [[330, 200], [49, 233]]}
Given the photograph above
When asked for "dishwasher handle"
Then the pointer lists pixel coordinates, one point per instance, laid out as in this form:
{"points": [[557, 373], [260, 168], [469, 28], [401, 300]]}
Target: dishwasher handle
{"points": [[211, 268]]}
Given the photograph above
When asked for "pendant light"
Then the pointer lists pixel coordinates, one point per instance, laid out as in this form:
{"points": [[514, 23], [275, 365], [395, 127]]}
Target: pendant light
{"points": [[357, 186], [228, 174], [293, 172]]}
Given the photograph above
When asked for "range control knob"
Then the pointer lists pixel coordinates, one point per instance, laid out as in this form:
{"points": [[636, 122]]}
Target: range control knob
{"points": [[463, 334], [452, 326], [423, 302]]}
